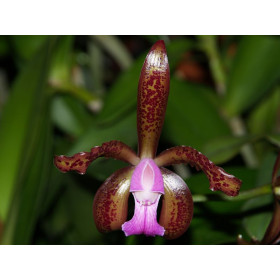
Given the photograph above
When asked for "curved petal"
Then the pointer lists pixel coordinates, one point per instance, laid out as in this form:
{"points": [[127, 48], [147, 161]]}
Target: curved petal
{"points": [[80, 161], [111, 201], [219, 179], [177, 205], [153, 91]]}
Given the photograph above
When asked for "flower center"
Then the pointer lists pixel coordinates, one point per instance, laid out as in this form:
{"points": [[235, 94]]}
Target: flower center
{"points": [[147, 197], [146, 186]]}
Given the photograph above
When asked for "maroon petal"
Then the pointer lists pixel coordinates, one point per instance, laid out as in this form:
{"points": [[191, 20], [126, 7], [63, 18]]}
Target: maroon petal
{"points": [[219, 179], [153, 90], [177, 205], [80, 162], [111, 201]]}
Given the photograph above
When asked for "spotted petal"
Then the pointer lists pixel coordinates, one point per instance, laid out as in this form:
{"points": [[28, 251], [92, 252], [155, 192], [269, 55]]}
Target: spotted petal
{"points": [[219, 179], [177, 205], [80, 161], [111, 201], [153, 91]]}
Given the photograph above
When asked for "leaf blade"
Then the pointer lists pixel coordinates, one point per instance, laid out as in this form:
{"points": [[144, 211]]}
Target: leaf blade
{"points": [[17, 120], [255, 69]]}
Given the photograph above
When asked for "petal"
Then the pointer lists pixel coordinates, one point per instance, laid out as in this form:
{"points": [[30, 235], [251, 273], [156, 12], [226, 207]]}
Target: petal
{"points": [[111, 201], [144, 220], [219, 179], [153, 91], [80, 162], [177, 205]]}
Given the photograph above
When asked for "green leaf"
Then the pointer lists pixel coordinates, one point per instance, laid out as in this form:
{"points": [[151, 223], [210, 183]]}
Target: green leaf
{"points": [[255, 69], [192, 117], [263, 121], [122, 96], [265, 169], [19, 116], [79, 208], [222, 149], [56, 223], [69, 115], [30, 193], [257, 222], [207, 232], [102, 168], [124, 131], [116, 48], [264, 116], [27, 45], [176, 49]]}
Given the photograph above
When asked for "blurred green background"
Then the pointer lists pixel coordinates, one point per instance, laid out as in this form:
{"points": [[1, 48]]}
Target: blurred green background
{"points": [[66, 94]]}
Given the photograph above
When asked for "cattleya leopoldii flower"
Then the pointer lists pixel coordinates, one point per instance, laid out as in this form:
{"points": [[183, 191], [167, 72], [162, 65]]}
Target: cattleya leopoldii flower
{"points": [[146, 178]]}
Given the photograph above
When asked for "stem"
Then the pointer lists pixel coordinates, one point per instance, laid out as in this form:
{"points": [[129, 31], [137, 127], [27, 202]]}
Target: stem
{"points": [[93, 102], [238, 128], [263, 190], [209, 45], [116, 49]]}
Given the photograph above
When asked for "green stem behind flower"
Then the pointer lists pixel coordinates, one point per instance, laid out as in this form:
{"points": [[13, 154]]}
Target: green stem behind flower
{"points": [[263, 190]]}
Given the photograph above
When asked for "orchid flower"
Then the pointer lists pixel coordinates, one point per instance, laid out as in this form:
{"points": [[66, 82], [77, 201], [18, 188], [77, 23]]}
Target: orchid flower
{"points": [[146, 178]]}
